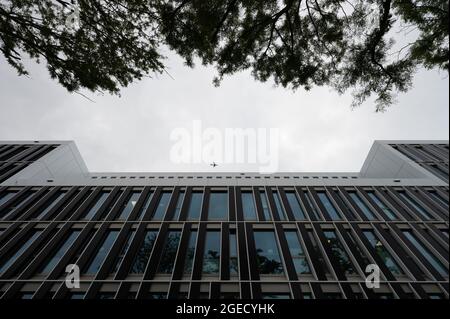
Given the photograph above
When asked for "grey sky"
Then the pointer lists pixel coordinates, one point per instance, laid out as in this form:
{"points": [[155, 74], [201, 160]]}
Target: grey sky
{"points": [[131, 133]]}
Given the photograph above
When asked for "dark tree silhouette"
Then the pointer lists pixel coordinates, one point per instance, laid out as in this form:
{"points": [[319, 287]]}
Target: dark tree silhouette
{"points": [[345, 44]]}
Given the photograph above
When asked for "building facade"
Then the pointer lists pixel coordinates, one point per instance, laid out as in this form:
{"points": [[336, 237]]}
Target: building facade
{"points": [[231, 236]]}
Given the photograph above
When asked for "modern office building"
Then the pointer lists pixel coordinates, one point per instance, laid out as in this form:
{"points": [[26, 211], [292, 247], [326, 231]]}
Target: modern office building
{"points": [[249, 236]]}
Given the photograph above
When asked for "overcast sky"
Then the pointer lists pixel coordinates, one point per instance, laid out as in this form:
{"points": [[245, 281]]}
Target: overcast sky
{"points": [[319, 130]]}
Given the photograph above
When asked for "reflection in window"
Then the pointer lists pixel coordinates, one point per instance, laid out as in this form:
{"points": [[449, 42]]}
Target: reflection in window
{"points": [[383, 252], [195, 206], [416, 205], [190, 252], [248, 206], [50, 204], [297, 253], [339, 253], [169, 253], [281, 212], [318, 252], [218, 206], [162, 206], [124, 250], [295, 206], [362, 206], [310, 203], [211, 255], [144, 207], [276, 296], [61, 251], [334, 215], [389, 213], [437, 264], [265, 205], [143, 254], [129, 205], [234, 262], [102, 252], [268, 257], [6, 197], [179, 205], [101, 198], [19, 250], [439, 198]]}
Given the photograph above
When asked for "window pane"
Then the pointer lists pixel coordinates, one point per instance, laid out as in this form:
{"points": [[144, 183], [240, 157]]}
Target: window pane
{"points": [[124, 250], [162, 206], [179, 205], [339, 253], [383, 253], [389, 213], [334, 215], [211, 255], [101, 254], [6, 197], [280, 209], [267, 254], [143, 254], [297, 253], [218, 206], [101, 198], [234, 262], [144, 207], [313, 208], [362, 206], [129, 205], [50, 204], [190, 252], [20, 250], [295, 206], [60, 252], [248, 206], [169, 253], [265, 205], [416, 205], [437, 264], [195, 206]]}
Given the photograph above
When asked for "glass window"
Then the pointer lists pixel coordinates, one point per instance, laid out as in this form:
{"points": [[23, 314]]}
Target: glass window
{"points": [[102, 252], [268, 257], [313, 208], [234, 262], [143, 254], [211, 254], [383, 253], [295, 206], [416, 205], [6, 197], [389, 213], [144, 207], [123, 252], [19, 250], [60, 252], [195, 206], [265, 205], [439, 198], [339, 253], [101, 198], [50, 204], [280, 209], [248, 206], [276, 296], [318, 252], [437, 264], [362, 206], [190, 252], [218, 206], [297, 253], [169, 253], [334, 215], [162, 206], [179, 205], [129, 205]]}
